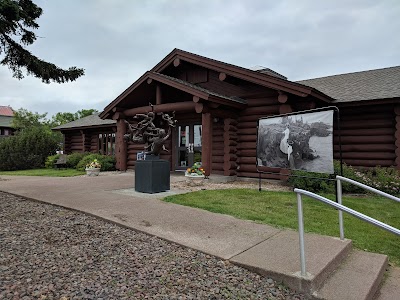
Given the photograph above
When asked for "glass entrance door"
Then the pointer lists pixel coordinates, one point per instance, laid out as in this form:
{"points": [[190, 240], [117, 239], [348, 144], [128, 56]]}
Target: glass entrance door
{"points": [[189, 145]]}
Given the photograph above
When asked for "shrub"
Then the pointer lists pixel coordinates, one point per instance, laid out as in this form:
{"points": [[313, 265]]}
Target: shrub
{"points": [[384, 179], [28, 149], [313, 182], [351, 173], [319, 182], [74, 158], [107, 162], [50, 161]]}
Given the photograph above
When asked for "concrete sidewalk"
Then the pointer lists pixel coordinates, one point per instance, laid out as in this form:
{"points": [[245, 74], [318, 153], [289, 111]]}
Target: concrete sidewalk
{"points": [[114, 198], [263, 248]]}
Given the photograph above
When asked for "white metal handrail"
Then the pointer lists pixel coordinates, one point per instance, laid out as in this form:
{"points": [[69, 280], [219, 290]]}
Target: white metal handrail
{"points": [[339, 193], [368, 188], [338, 206]]}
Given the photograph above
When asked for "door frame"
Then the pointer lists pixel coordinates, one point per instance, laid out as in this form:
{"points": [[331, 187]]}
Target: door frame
{"points": [[179, 148]]}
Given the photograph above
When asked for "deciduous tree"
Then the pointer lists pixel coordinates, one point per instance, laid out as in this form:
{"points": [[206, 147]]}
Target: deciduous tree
{"points": [[24, 118]]}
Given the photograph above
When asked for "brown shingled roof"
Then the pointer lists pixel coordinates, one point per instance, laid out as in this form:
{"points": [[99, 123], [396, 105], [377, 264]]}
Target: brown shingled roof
{"points": [[6, 111], [359, 86], [89, 121]]}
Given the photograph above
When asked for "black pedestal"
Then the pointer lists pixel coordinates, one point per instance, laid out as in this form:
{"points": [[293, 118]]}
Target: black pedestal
{"points": [[152, 176]]}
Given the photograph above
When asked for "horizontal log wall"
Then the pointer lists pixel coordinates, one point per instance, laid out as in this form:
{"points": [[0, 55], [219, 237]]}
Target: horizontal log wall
{"points": [[67, 143], [134, 149], [87, 141], [94, 142], [247, 134], [83, 140], [217, 157], [397, 136], [230, 147], [73, 142], [368, 136]]}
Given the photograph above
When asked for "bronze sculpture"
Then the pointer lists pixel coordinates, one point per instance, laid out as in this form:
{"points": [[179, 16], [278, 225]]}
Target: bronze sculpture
{"points": [[145, 132]]}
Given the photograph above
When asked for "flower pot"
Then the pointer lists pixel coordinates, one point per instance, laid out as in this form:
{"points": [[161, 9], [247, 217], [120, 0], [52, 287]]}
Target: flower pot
{"points": [[92, 171], [194, 180]]}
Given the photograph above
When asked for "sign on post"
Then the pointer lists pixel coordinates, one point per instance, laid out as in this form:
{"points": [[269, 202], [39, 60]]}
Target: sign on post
{"points": [[300, 141]]}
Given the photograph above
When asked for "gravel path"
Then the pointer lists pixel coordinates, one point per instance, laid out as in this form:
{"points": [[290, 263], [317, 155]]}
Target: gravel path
{"points": [[47, 252], [249, 184]]}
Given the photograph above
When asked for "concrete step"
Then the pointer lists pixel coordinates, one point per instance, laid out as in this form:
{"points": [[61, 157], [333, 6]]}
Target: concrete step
{"points": [[390, 288], [358, 277], [279, 258]]}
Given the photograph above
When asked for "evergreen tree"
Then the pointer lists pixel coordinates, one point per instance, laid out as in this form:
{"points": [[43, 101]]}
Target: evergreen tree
{"points": [[17, 17]]}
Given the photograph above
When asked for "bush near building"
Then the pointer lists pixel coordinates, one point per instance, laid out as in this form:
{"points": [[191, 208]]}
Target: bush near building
{"points": [[28, 149], [107, 162]]}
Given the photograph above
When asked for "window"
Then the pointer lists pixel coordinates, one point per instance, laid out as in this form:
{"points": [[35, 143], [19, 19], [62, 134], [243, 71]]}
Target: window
{"points": [[106, 145]]}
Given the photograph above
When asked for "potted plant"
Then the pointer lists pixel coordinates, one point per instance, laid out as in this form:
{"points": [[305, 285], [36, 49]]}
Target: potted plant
{"points": [[195, 174], [93, 168]]}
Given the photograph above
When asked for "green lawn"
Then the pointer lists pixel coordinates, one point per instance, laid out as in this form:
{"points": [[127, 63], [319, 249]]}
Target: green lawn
{"points": [[44, 172], [279, 209]]}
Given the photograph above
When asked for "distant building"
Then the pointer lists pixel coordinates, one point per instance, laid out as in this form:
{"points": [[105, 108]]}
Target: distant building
{"points": [[6, 117]]}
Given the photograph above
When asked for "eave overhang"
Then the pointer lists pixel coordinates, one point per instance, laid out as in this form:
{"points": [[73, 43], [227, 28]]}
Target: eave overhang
{"points": [[85, 127]]}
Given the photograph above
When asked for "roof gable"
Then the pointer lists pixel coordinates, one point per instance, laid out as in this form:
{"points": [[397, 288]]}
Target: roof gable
{"points": [[263, 79], [359, 86], [179, 84]]}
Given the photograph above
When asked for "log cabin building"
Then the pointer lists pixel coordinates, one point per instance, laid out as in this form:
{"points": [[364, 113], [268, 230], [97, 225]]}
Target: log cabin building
{"points": [[217, 106], [89, 134]]}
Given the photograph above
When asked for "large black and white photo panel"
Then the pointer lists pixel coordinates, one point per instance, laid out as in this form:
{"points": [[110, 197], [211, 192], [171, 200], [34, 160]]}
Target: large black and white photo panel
{"points": [[300, 141]]}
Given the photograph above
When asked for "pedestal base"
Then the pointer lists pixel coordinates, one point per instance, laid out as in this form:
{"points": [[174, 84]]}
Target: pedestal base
{"points": [[152, 176]]}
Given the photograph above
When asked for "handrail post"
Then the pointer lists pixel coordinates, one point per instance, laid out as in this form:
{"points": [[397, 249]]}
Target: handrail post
{"points": [[339, 198], [301, 234]]}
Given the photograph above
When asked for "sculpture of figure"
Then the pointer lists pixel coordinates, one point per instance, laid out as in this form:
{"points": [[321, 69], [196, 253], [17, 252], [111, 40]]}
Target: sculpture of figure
{"points": [[157, 142], [147, 121], [145, 132], [170, 120]]}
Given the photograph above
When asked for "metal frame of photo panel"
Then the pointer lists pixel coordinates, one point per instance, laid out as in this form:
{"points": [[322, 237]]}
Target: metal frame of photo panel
{"points": [[336, 111]]}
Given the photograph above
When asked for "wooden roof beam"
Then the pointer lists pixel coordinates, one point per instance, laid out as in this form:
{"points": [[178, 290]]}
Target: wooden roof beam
{"points": [[176, 106]]}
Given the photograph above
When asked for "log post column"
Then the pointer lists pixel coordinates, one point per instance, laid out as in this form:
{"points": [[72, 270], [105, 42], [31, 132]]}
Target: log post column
{"points": [[397, 136], [230, 142], [121, 147], [66, 144], [83, 140], [206, 142], [158, 95]]}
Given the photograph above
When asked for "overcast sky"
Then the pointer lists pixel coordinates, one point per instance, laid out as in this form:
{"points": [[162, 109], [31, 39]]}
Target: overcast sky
{"points": [[117, 41]]}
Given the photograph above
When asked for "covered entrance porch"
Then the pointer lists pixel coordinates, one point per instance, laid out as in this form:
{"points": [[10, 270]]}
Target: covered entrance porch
{"points": [[199, 113]]}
